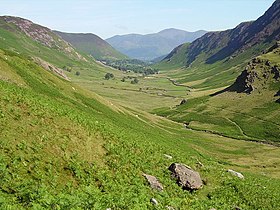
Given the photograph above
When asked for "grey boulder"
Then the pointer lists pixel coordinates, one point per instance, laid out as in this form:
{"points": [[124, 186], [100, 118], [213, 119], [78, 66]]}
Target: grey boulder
{"points": [[187, 178], [153, 181]]}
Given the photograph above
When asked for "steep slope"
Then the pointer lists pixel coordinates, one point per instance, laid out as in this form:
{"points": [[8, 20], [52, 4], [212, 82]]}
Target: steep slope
{"points": [[220, 45], [93, 45], [19, 26], [66, 148], [151, 46], [248, 109], [46, 48], [218, 53], [62, 147]]}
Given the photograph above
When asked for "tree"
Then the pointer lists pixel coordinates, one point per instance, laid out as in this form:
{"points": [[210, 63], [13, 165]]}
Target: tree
{"points": [[109, 76], [77, 73], [135, 81]]}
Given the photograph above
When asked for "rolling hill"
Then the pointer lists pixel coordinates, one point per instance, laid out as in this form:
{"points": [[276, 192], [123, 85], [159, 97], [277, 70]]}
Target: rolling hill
{"points": [[151, 46], [92, 45]]}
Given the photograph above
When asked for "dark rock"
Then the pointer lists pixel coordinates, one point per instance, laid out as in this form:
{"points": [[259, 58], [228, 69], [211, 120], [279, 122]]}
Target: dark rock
{"points": [[154, 201], [186, 177], [278, 101], [244, 82], [186, 124], [183, 101], [154, 183]]}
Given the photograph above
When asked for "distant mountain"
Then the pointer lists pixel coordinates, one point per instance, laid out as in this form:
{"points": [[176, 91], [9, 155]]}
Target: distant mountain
{"points": [[151, 46], [92, 44]]}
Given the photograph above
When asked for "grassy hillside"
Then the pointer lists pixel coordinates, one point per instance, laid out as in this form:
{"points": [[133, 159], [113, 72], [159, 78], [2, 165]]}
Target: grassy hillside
{"points": [[73, 149], [248, 109], [65, 147], [214, 59], [92, 45]]}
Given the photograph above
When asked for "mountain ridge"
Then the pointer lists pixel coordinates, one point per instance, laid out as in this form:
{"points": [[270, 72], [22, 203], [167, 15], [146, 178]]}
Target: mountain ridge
{"points": [[153, 45], [219, 45], [92, 44]]}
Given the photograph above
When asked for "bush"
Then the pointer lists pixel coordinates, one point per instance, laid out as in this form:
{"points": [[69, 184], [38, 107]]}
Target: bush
{"points": [[135, 81], [109, 76]]}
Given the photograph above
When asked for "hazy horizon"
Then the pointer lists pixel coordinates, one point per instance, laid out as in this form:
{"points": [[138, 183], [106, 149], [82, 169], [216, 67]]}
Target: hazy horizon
{"points": [[109, 18]]}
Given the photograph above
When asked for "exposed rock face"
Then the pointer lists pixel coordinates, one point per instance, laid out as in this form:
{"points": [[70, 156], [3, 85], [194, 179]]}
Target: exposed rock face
{"points": [[239, 175], [50, 67], [244, 82], [186, 177], [154, 183], [257, 71]]}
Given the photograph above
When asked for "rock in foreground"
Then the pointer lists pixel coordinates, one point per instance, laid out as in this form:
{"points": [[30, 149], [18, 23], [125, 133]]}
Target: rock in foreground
{"points": [[154, 183], [186, 177]]}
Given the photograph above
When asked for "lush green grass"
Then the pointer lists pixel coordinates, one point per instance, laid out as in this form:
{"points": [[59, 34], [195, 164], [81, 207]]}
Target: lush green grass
{"points": [[237, 115], [211, 76], [73, 149], [63, 147]]}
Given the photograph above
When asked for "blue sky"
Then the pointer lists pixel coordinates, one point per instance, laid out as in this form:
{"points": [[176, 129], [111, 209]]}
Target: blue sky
{"points": [[111, 17]]}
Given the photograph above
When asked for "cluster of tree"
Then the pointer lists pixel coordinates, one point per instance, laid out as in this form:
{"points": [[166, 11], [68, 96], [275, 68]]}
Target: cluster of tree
{"points": [[109, 76], [67, 68], [133, 65], [134, 80]]}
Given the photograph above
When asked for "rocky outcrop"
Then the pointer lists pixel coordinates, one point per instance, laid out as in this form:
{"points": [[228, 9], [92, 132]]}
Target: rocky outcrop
{"points": [[153, 181], [187, 178], [49, 67], [256, 75]]}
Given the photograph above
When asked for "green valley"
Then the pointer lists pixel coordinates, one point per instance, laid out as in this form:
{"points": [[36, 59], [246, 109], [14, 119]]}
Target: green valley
{"points": [[78, 133]]}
